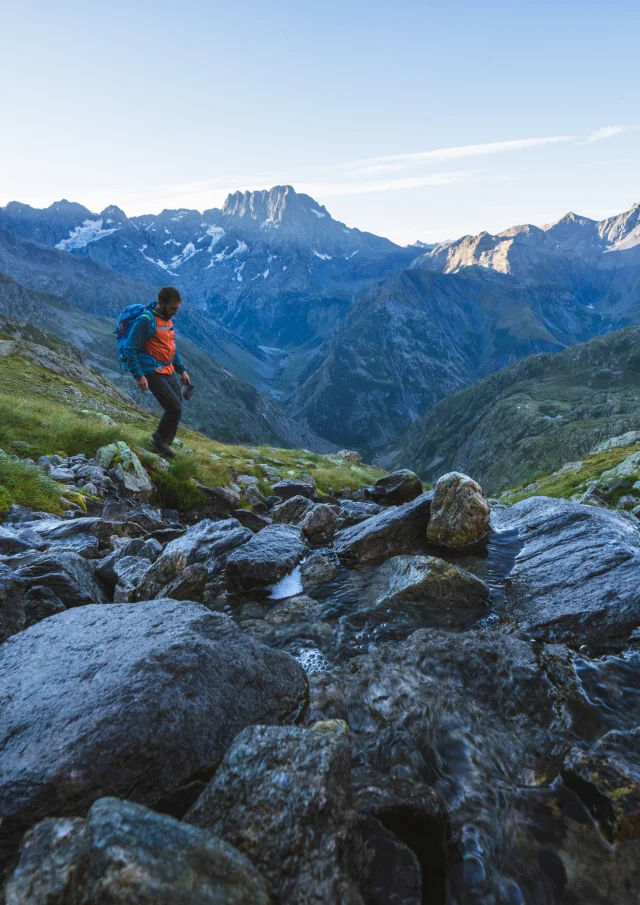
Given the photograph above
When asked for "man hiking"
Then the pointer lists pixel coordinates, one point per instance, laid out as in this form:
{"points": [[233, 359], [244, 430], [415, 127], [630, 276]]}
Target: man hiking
{"points": [[151, 356]]}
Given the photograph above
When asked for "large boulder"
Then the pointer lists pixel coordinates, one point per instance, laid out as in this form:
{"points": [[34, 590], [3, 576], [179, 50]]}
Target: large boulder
{"points": [[396, 530], [125, 467], [39, 604], [292, 510], [282, 796], [429, 590], [460, 512], [576, 577], [68, 575], [207, 541], [130, 700], [396, 488], [11, 543], [12, 615], [125, 854], [352, 512], [264, 560]]}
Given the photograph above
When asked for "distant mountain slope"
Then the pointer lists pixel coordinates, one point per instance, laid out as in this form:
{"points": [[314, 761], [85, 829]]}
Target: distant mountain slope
{"points": [[223, 406], [532, 417], [273, 265]]}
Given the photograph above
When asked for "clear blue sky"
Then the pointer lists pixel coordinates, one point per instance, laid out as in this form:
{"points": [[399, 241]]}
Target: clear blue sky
{"points": [[155, 104]]}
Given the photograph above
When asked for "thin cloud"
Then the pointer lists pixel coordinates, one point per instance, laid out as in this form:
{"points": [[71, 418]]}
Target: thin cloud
{"points": [[333, 190], [606, 132]]}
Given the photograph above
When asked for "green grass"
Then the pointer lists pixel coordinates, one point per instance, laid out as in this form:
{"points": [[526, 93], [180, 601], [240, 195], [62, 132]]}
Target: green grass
{"points": [[40, 415], [27, 486]]}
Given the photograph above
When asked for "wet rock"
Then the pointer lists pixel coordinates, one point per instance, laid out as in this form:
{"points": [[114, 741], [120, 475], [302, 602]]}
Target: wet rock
{"points": [[10, 543], [126, 468], [130, 700], [460, 512], [48, 858], [292, 511], [607, 779], [12, 616], [396, 530], [60, 473], [222, 501], [290, 488], [396, 488], [39, 604], [318, 568], [206, 541], [68, 575], [352, 512], [445, 594], [319, 525], [124, 853], [576, 576], [85, 545], [282, 797], [264, 560], [251, 520], [394, 873], [189, 585]]}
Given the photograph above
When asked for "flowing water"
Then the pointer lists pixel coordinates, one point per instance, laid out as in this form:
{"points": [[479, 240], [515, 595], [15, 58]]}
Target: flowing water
{"points": [[482, 715]]}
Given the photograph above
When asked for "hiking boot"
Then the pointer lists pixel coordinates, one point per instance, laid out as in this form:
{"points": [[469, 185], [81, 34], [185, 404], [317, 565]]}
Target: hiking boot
{"points": [[163, 449]]}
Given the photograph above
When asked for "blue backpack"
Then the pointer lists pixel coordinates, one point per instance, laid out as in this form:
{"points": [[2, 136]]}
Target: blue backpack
{"points": [[125, 322]]}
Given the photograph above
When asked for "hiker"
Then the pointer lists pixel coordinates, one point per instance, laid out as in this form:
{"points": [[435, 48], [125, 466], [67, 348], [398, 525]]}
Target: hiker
{"points": [[151, 356]]}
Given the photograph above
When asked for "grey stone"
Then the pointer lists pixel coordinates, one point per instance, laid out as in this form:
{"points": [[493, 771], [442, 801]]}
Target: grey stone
{"points": [[40, 603], [68, 575], [48, 857], [128, 700], [12, 616], [290, 488], [129, 572], [576, 577], [319, 525], [10, 543], [264, 560], [189, 585], [396, 488], [251, 520], [352, 512], [395, 530], [126, 468], [460, 513], [222, 501], [282, 796], [292, 510], [148, 549], [318, 568]]}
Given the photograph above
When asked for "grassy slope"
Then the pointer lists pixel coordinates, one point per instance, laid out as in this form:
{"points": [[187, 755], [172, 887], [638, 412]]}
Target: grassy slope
{"points": [[45, 386]]}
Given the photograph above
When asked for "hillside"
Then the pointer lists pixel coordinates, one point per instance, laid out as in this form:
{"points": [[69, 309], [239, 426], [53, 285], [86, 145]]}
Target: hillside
{"points": [[532, 417], [51, 402]]}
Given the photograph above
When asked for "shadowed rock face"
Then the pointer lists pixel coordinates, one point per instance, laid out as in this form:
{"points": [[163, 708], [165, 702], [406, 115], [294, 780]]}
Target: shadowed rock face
{"points": [[396, 530], [576, 577], [68, 575], [123, 853], [128, 700], [283, 797]]}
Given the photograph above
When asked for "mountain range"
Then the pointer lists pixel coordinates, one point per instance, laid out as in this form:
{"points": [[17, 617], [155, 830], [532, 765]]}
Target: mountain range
{"points": [[353, 337]]}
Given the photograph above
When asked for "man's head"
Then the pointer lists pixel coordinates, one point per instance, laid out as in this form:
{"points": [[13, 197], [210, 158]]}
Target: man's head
{"points": [[169, 300]]}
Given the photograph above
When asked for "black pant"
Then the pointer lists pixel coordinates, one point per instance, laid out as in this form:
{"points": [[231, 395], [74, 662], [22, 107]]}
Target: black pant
{"points": [[166, 389]]}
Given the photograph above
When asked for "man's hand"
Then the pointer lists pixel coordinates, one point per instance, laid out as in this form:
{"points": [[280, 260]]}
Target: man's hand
{"points": [[143, 383], [185, 378]]}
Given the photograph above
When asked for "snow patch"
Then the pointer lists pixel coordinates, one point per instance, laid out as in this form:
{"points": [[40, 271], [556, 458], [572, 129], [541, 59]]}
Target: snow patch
{"points": [[321, 256], [81, 236], [185, 255], [216, 233], [171, 242], [265, 274], [318, 214], [158, 263], [238, 271], [288, 586], [347, 257]]}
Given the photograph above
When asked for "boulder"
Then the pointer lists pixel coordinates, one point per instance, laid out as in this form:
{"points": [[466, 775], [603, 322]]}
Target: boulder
{"points": [[207, 541], [607, 779], [68, 575], [124, 853], [292, 510], [222, 501], [251, 520], [576, 577], [282, 796], [352, 512], [429, 590], [396, 530], [129, 572], [318, 568], [396, 488], [11, 543], [460, 512], [132, 700], [148, 549], [12, 615], [319, 525], [126, 468], [85, 545], [264, 560], [39, 604], [290, 488]]}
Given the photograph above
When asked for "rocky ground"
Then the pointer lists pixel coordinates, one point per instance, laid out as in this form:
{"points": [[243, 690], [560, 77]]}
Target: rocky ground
{"points": [[284, 695]]}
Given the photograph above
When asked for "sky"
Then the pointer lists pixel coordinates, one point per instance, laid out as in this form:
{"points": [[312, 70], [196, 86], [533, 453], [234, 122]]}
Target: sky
{"points": [[413, 120]]}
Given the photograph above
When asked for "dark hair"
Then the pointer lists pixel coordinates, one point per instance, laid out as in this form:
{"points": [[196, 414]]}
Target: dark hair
{"points": [[169, 294]]}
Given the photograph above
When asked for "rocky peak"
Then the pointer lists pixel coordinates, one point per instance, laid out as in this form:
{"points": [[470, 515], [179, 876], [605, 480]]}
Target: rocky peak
{"points": [[275, 208]]}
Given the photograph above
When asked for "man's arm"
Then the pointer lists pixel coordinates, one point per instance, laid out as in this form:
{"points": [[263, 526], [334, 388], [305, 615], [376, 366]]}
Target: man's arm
{"points": [[141, 331], [178, 365]]}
